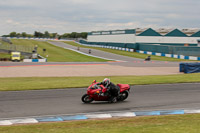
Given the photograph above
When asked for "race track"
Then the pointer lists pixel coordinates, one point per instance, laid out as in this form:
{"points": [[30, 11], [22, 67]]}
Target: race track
{"points": [[67, 101]]}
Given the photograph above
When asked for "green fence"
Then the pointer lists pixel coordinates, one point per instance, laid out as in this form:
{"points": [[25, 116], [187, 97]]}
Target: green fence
{"points": [[187, 51], [123, 45], [179, 49], [12, 47], [170, 49]]}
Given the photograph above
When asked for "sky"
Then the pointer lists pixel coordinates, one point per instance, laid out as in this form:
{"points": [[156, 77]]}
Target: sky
{"points": [[66, 16]]}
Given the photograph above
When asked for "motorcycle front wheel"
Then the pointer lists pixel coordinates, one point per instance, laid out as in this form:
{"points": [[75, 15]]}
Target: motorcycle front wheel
{"points": [[86, 98]]}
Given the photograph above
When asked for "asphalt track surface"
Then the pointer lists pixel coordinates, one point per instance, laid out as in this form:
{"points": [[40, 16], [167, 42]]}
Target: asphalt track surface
{"points": [[129, 60], [95, 52], [68, 101]]}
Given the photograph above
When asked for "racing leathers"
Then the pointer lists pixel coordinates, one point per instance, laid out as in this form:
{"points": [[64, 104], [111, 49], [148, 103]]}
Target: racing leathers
{"points": [[112, 89]]}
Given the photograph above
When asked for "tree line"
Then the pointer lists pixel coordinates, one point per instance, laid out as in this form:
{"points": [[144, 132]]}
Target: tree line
{"points": [[46, 34]]}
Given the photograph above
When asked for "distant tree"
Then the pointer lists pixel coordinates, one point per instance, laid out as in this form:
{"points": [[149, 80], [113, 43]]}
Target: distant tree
{"points": [[6, 36], [41, 35], [46, 34], [78, 35], [73, 35], [19, 35], [29, 35], [53, 35], [84, 35], [13, 34], [24, 34], [65, 35], [38, 34]]}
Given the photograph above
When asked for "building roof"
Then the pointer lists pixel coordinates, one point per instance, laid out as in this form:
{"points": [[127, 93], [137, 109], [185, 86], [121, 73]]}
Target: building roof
{"points": [[149, 32], [176, 33], [197, 34], [193, 32]]}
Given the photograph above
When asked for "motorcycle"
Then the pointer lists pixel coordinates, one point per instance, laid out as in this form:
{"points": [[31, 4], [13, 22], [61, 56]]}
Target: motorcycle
{"points": [[99, 93]]}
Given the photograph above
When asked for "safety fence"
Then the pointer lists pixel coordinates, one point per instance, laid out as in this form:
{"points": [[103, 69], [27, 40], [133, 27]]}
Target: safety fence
{"points": [[19, 48], [170, 55], [170, 49], [178, 49]]}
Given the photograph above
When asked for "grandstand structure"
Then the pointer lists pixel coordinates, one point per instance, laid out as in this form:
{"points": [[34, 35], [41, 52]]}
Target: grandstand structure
{"points": [[168, 41]]}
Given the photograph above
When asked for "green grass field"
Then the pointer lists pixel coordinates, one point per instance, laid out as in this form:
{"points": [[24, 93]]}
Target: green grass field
{"points": [[130, 54], [56, 54], [152, 124], [4, 55], [3, 42], [35, 83]]}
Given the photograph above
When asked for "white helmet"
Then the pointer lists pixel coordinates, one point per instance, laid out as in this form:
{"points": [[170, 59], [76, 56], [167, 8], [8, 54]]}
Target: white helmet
{"points": [[106, 81]]}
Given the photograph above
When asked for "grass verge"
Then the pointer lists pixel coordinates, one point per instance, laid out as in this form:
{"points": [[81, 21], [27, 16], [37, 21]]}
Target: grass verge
{"points": [[35, 83], [56, 54], [150, 124], [4, 55], [130, 54]]}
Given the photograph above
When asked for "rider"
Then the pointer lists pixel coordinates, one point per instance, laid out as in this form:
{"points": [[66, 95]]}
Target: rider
{"points": [[111, 88]]}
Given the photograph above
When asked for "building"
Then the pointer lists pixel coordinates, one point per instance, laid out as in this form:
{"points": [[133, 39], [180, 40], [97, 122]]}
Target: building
{"points": [[169, 41]]}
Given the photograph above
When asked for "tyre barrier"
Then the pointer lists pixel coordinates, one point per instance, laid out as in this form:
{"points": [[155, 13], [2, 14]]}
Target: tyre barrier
{"points": [[189, 67]]}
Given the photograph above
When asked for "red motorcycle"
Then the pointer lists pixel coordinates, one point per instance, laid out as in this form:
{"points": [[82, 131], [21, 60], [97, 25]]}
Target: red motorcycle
{"points": [[99, 93]]}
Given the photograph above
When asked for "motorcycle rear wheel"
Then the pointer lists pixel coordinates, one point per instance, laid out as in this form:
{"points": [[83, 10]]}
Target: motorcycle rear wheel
{"points": [[86, 98], [123, 96]]}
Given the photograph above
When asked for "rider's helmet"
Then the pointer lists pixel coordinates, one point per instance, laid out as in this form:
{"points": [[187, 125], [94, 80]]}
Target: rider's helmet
{"points": [[106, 81]]}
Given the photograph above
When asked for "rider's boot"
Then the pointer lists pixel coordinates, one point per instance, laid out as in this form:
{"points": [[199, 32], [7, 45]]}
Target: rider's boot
{"points": [[113, 100]]}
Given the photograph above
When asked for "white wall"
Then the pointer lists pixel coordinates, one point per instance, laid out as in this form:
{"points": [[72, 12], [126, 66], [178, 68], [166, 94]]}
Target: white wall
{"points": [[148, 39], [121, 38], [160, 39], [131, 38]]}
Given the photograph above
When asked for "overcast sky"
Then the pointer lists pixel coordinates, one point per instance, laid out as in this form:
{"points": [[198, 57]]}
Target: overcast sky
{"points": [[65, 16]]}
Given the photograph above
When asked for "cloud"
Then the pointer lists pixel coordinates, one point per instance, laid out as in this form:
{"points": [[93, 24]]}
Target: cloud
{"points": [[153, 20], [87, 15], [11, 22], [173, 16]]}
